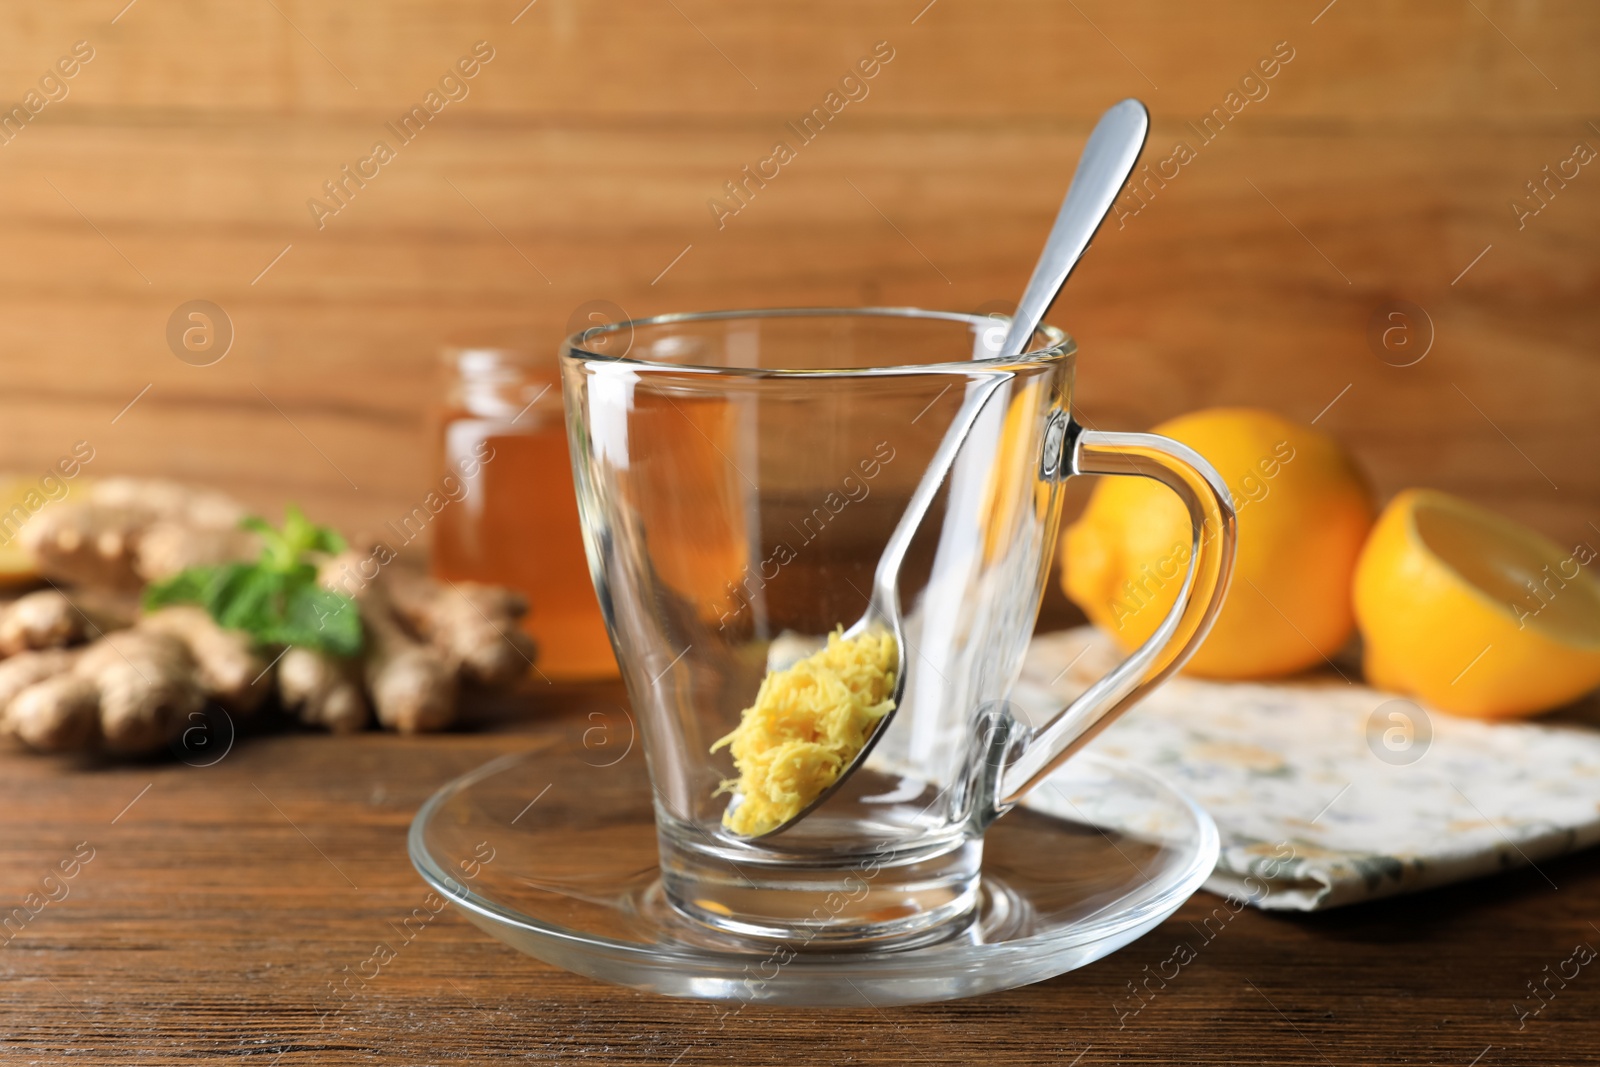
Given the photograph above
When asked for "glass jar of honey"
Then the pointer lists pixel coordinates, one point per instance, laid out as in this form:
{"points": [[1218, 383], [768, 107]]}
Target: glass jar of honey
{"points": [[503, 436]]}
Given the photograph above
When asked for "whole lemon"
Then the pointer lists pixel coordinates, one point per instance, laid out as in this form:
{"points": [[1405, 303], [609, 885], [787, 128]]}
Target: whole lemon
{"points": [[1304, 510], [1474, 613]]}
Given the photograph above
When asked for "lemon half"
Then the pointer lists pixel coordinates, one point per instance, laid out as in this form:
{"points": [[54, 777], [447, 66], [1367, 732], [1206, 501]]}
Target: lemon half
{"points": [[1473, 613]]}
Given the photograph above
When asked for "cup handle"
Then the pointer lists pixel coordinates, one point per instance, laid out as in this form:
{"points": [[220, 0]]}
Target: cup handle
{"points": [[1071, 450]]}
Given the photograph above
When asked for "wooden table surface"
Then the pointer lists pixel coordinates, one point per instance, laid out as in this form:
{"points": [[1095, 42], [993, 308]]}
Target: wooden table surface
{"points": [[217, 905]]}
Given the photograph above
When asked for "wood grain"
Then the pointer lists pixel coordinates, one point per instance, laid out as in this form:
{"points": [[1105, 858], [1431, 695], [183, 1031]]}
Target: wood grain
{"points": [[221, 904], [1382, 163], [1381, 166]]}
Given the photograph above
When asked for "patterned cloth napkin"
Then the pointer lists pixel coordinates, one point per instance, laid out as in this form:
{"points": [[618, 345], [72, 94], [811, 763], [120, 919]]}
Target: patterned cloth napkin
{"points": [[1327, 792]]}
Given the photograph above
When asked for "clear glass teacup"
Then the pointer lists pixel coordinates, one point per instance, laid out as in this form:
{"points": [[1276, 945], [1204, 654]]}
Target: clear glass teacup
{"points": [[738, 476]]}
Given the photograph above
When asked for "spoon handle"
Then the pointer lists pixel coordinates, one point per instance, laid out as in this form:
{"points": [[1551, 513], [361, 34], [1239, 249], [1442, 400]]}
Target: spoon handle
{"points": [[886, 580], [1107, 160]]}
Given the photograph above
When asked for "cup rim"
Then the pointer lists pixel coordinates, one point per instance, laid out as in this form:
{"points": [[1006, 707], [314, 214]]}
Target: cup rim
{"points": [[1060, 346]]}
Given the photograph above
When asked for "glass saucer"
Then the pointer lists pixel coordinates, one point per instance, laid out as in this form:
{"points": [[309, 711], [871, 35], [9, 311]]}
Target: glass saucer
{"points": [[554, 852]]}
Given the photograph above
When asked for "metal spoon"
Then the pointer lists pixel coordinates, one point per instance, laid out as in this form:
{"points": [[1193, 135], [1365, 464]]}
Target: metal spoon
{"points": [[1107, 160]]}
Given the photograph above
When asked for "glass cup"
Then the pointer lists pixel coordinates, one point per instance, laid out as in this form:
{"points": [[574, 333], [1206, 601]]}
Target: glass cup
{"points": [[738, 476]]}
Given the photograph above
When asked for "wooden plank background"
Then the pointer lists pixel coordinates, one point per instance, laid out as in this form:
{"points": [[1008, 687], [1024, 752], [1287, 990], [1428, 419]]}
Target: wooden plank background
{"points": [[1380, 166]]}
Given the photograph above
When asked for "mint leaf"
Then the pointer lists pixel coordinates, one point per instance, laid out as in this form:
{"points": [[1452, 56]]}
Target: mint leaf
{"points": [[192, 586], [277, 599], [213, 588], [319, 618], [300, 535]]}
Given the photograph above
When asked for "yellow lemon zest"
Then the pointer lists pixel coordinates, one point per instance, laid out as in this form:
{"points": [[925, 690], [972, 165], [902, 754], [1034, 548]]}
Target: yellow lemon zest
{"points": [[807, 723]]}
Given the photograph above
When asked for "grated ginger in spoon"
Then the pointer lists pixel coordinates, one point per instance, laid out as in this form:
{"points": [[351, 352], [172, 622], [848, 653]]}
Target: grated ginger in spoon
{"points": [[808, 723]]}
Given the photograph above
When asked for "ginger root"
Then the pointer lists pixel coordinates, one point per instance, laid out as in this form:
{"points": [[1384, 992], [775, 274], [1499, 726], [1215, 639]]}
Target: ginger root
{"points": [[413, 686], [132, 690], [148, 685], [230, 670], [99, 541], [323, 690], [26, 669], [57, 714], [473, 625], [168, 546], [83, 543], [45, 619], [135, 686]]}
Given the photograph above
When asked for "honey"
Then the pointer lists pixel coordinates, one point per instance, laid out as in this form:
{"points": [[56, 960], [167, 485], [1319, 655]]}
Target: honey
{"points": [[516, 524]]}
